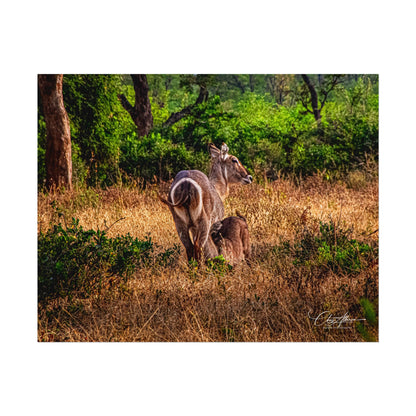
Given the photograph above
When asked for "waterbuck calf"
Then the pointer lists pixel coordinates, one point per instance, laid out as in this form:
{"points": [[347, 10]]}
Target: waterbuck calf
{"points": [[232, 239], [196, 201]]}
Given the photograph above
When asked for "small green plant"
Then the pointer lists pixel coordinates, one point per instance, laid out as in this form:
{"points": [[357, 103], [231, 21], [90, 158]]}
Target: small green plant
{"points": [[71, 259], [193, 270], [228, 333], [168, 257], [219, 265], [218, 268]]}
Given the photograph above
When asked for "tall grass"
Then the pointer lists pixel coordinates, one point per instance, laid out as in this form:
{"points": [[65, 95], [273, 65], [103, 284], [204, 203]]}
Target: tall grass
{"points": [[272, 299]]}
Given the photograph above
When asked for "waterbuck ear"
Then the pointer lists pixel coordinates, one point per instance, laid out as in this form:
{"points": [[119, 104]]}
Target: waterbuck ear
{"points": [[224, 151], [213, 151]]}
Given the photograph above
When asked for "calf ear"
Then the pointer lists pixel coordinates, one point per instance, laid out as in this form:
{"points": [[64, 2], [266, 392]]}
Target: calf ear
{"points": [[214, 152], [216, 227], [215, 233], [238, 214]]}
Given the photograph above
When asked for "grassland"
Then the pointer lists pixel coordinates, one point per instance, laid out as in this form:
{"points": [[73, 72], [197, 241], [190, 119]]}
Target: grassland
{"points": [[271, 299]]}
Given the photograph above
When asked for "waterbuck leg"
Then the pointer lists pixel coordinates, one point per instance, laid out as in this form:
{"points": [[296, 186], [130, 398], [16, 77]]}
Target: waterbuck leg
{"points": [[203, 240], [197, 251], [183, 233], [210, 249]]}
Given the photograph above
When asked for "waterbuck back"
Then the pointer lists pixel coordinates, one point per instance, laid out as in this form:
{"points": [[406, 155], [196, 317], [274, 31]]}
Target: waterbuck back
{"points": [[232, 239], [196, 201]]}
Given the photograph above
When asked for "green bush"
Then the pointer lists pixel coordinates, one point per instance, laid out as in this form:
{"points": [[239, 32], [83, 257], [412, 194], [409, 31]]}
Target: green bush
{"points": [[154, 157], [332, 249], [98, 123], [71, 259], [308, 158], [351, 124]]}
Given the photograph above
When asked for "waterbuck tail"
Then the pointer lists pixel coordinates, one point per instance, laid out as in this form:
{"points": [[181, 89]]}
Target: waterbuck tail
{"points": [[165, 201], [179, 194]]}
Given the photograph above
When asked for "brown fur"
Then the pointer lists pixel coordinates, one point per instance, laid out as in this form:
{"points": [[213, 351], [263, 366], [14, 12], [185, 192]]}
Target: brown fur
{"points": [[232, 239]]}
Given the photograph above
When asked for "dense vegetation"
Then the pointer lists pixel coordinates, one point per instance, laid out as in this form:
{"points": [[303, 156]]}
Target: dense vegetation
{"points": [[74, 261], [267, 120]]}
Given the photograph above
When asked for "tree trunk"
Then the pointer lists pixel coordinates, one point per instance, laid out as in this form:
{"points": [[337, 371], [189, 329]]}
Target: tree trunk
{"points": [[58, 135], [314, 98], [141, 113], [239, 84], [251, 82]]}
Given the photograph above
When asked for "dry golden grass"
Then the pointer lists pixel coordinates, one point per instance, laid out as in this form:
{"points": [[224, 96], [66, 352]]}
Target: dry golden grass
{"points": [[266, 301]]}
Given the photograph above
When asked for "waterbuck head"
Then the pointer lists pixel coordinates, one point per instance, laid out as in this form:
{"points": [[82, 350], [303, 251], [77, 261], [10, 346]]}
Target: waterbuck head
{"points": [[226, 170]]}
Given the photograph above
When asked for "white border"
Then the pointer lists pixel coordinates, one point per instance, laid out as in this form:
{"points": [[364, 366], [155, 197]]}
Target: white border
{"points": [[216, 37]]}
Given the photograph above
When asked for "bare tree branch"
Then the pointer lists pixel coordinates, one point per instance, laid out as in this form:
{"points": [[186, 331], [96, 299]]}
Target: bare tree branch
{"points": [[175, 117], [314, 97], [336, 79], [126, 104]]}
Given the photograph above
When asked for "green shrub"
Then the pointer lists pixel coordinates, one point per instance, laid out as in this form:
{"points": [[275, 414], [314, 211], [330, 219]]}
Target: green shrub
{"points": [[267, 159], [332, 249], [71, 259], [168, 257], [308, 158], [157, 157], [351, 124], [218, 265]]}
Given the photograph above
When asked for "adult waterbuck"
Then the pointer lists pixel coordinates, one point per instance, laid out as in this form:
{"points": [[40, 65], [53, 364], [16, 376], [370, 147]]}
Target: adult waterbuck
{"points": [[196, 201]]}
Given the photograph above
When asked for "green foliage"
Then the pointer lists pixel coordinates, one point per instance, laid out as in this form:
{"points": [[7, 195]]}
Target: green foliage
{"points": [[309, 157], [257, 116], [369, 311], [271, 139], [200, 127], [41, 149], [228, 333], [71, 259], [368, 328], [332, 249], [168, 257], [351, 124], [79, 166], [98, 123], [218, 265], [218, 268], [155, 157]]}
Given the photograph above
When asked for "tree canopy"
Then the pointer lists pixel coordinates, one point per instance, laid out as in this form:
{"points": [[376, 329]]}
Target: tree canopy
{"points": [[277, 124]]}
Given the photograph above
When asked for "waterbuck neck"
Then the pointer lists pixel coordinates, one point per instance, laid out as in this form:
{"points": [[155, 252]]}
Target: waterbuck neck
{"points": [[218, 177]]}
